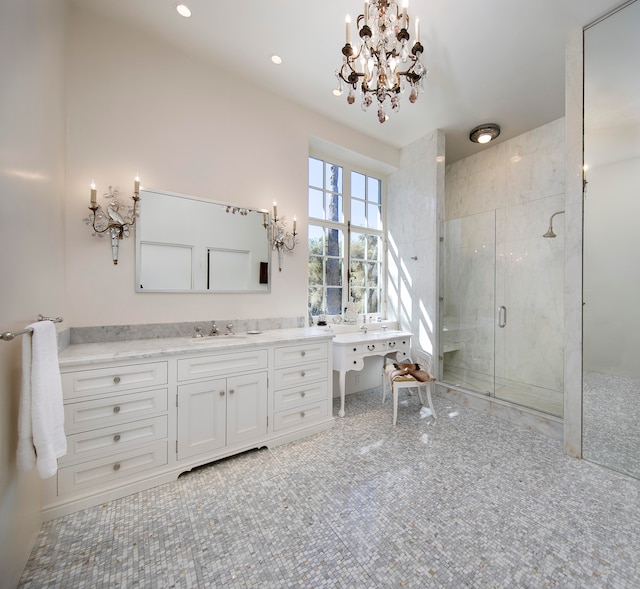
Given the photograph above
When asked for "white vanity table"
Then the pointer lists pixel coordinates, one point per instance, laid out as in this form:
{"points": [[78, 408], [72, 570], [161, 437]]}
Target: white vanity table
{"points": [[351, 348], [138, 413]]}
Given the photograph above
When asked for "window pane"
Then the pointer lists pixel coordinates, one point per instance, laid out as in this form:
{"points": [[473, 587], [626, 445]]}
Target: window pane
{"points": [[374, 244], [334, 301], [358, 186], [373, 301], [374, 216], [315, 271], [357, 274], [356, 297], [358, 241], [334, 242], [315, 172], [334, 208], [372, 274], [374, 190], [333, 178], [316, 240], [316, 203], [334, 272], [316, 304], [358, 215]]}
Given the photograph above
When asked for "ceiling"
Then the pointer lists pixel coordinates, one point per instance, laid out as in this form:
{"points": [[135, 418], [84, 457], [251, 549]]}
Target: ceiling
{"points": [[496, 61]]}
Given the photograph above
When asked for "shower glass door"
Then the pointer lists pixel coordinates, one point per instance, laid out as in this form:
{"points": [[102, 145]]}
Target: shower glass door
{"points": [[502, 307], [468, 306]]}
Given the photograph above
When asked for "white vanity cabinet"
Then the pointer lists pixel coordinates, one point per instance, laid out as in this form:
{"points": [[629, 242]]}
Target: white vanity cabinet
{"points": [[301, 386], [224, 412], [139, 413], [117, 422]]}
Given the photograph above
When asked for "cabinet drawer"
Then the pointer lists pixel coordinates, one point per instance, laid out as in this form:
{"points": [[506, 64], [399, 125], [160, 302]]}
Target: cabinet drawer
{"points": [[298, 354], [221, 364], [117, 438], [302, 395], [98, 413], [297, 375], [108, 472], [116, 379], [299, 417]]}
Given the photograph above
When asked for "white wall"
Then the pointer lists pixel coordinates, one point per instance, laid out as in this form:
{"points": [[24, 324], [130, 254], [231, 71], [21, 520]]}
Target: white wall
{"points": [[31, 235], [136, 105], [611, 263]]}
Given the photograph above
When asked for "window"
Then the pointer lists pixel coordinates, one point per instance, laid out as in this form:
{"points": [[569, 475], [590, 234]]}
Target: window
{"points": [[346, 239]]}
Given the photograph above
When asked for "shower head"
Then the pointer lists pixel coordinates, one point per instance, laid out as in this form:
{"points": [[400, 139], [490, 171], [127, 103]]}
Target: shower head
{"points": [[550, 232]]}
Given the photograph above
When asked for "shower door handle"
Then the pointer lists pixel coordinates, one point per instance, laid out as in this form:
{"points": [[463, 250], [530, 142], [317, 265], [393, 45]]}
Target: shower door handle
{"points": [[502, 316]]}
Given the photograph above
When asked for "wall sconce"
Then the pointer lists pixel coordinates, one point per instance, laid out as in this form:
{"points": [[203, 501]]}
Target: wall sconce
{"points": [[281, 238], [117, 219]]}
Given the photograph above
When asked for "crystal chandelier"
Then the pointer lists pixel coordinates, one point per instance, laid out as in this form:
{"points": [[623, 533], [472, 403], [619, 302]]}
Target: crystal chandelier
{"points": [[386, 61]]}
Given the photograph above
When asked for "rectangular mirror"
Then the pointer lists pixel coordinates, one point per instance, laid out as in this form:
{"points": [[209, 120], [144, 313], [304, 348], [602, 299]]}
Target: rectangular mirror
{"points": [[188, 244]]}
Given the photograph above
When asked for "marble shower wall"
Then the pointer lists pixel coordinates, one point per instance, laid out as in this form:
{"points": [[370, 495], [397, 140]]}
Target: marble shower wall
{"points": [[521, 182], [415, 195]]}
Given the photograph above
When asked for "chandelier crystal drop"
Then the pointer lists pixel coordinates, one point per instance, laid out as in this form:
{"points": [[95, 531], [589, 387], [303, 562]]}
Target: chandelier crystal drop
{"points": [[383, 62]]}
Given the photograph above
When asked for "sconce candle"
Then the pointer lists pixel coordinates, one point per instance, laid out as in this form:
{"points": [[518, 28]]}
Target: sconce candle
{"points": [[115, 220], [275, 211], [294, 225]]}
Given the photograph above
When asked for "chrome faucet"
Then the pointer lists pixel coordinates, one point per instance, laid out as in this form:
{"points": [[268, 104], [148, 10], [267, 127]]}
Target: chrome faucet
{"points": [[214, 329], [229, 329], [364, 328]]}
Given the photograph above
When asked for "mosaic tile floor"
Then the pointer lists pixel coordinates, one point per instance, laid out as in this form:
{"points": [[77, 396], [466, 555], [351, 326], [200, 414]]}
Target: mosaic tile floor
{"points": [[467, 501]]}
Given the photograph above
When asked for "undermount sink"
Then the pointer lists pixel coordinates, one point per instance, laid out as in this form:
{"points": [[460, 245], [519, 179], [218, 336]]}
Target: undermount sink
{"points": [[213, 338]]}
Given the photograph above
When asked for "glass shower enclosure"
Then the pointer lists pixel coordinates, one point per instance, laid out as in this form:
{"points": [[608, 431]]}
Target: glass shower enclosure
{"points": [[501, 304]]}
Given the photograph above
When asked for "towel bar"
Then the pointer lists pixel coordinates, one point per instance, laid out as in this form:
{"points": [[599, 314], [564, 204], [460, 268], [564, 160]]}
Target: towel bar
{"points": [[7, 336]]}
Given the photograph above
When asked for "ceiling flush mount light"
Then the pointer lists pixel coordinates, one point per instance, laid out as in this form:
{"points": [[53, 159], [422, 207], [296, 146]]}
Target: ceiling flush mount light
{"points": [[276, 59], [183, 10], [484, 133], [383, 60]]}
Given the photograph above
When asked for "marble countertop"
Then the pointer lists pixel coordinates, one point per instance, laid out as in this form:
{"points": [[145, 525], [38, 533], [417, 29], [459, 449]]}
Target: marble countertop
{"points": [[371, 335], [92, 353]]}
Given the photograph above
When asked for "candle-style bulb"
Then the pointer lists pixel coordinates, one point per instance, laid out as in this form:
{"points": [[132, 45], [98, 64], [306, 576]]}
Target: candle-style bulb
{"points": [[93, 193], [136, 184], [275, 211]]}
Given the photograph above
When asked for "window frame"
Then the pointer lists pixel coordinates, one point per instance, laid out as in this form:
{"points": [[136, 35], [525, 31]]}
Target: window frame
{"points": [[347, 229]]}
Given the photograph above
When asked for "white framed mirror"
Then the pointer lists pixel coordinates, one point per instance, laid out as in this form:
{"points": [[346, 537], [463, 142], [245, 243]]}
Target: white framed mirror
{"points": [[190, 244]]}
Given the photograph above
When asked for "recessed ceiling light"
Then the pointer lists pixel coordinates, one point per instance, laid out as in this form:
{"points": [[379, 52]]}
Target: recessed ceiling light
{"points": [[484, 133], [183, 10], [276, 59]]}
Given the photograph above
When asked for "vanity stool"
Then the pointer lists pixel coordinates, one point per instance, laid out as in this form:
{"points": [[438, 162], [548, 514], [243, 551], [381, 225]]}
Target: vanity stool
{"points": [[403, 380]]}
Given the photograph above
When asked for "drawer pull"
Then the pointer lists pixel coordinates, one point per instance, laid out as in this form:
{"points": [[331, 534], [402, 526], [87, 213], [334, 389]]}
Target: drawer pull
{"points": [[392, 344], [371, 347], [355, 361], [302, 374], [303, 353], [116, 438], [116, 466], [355, 349], [116, 409], [232, 391], [116, 379], [302, 394], [221, 393], [301, 413]]}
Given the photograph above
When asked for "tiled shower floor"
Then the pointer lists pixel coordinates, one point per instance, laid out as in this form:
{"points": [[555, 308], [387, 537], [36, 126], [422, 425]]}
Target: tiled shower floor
{"points": [[467, 501]]}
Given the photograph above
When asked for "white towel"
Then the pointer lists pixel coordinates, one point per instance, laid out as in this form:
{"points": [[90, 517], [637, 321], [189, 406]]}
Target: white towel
{"points": [[41, 438]]}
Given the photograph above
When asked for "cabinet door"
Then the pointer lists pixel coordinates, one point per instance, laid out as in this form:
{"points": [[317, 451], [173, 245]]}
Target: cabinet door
{"points": [[246, 407], [201, 417]]}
